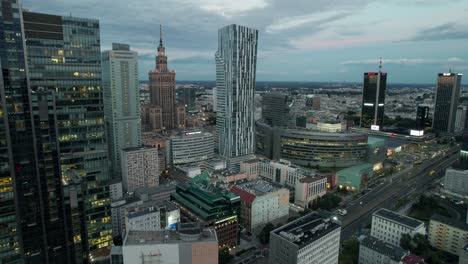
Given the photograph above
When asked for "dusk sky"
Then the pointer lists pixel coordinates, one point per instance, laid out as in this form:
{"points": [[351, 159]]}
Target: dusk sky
{"points": [[299, 40]]}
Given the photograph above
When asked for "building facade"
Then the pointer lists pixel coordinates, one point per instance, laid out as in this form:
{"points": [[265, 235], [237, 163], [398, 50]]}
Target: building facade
{"points": [[189, 147], [140, 168], [355, 178], [121, 102], [309, 239], [309, 189], [151, 118], [373, 100], [162, 88], [456, 182], [236, 63], [446, 102], [275, 109], [461, 118], [389, 226], [187, 97], [447, 234], [261, 203], [64, 56], [422, 117], [375, 251]]}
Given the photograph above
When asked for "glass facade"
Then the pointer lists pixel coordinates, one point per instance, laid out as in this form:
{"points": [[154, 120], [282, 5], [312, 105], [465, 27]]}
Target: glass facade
{"points": [[373, 99], [446, 102], [64, 57]]}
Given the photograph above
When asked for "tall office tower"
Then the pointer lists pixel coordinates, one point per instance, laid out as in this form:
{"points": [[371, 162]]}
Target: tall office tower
{"points": [[64, 56], [373, 99], [187, 97], [422, 117], [446, 102], [162, 88], [121, 102], [180, 116], [460, 118], [236, 61], [275, 109], [215, 100]]}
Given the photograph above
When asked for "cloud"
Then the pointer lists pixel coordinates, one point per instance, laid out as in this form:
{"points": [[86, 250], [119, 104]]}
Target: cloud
{"points": [[230, 8], [444, 31], [402, 61], [298, 21]]}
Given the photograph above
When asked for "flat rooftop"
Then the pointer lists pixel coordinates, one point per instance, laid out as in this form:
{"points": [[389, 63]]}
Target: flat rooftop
{"points": [[389, 250], [398, 218], [169, 237], [306, 229], [259, 187]]}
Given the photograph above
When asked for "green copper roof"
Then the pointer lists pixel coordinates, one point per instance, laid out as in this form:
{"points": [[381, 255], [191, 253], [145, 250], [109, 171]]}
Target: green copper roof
{"points": [[355, 170], [375, 142]]}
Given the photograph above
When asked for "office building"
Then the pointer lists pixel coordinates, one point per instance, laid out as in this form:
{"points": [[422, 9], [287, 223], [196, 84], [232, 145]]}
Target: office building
{"points": [[151, 118], [456, 182], [448, 234], [309, 189], [313, 102], [121, 102], [188, 244], [376, 152], [64, 56], [187, 97], [389, 226], [141, 168], [189, 147], [142, 219], [311, 148], [261, 203], [211, 206], [275, 109], [236, 62], [446, 102], [309, 239], [215, 99], [375, 251], [373, 99], [162, 88], [282, 172], [460, 118], [180, 116], [355, 178], [422, 117]]}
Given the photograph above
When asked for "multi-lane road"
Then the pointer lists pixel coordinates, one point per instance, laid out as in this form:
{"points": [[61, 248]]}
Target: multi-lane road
{"points": [[413, 179]]}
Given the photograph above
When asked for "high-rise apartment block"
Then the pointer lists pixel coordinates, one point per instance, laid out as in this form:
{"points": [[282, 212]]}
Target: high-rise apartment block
{"points": [[121, 102], [446, 102], [64, 56], [162, 88], [140, 168], [309, 239], [373, 100], [448, 234], [236, 62]]}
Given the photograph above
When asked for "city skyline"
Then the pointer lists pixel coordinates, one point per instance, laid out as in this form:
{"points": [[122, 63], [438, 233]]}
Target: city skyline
{"points": [[304, 42]]}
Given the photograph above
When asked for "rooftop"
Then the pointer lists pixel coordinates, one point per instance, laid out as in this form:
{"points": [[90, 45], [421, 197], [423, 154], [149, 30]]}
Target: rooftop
{"points": [[306, 229], [169, 237], [398, 218], [354, 170], [310, 179], [259, 187], [139, 148], [413, 259], [389, 250], [450, 222]]}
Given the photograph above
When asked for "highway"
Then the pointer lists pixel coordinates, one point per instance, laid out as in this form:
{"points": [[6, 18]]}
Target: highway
{"points": [[406, 182]]}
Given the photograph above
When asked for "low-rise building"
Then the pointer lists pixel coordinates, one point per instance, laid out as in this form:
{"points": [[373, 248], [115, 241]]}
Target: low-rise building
{"points": [[188, 244], [355, 178], [309, 189], [309, 239], [261, 203], [190, 147], [141, 218], [456, 182], [282, 172], [375, 251], [448, 234], [389, 226]]}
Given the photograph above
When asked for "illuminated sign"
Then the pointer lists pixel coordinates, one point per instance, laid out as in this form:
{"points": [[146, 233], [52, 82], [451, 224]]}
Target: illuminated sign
{"points": [[416, 133], [446, 74], [192, 133], [368, 104], [381, 104], [375, 127]]}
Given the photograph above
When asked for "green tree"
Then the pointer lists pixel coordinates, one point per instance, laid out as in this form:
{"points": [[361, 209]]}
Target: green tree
{"points": [[329, 202], [224, 256], [405, 242], [350, 251], [264, 235]]}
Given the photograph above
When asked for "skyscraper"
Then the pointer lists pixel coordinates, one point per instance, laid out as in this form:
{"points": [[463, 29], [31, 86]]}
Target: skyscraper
{"points": [[275, 109], [187, 97], [236, 61], [373, 99], [121, 102], [64, 57], [446, 102], [162, 87], [422, 117]]}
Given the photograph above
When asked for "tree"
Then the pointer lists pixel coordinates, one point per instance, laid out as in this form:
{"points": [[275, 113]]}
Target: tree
{"points": [[405, 242], [224, 256], [350, 251], [329, 202], [264, 235]]}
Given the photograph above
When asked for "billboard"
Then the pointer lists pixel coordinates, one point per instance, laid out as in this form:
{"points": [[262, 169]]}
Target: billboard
{"points": [[417, 133], [375, 127]]}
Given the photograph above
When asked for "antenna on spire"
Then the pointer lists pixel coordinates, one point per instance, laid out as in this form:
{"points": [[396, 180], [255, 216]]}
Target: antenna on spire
{"points": [[380, 64], [160, 34]]}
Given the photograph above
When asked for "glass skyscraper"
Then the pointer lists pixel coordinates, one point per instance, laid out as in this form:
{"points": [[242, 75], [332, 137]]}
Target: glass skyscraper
{"points": [[236, 61], [446, 102], [373, 100], [64, 57]]}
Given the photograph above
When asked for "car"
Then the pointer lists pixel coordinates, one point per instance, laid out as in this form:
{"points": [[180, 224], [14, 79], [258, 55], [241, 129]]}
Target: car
{"points": [[360, 202]]}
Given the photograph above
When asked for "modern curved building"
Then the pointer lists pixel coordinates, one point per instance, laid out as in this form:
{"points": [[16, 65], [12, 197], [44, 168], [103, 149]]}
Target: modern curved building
{"points": [[311, 148], [189, 147]]}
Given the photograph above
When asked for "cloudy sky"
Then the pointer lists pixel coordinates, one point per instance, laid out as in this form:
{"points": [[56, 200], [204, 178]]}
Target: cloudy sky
{"points": [[299, 40]]}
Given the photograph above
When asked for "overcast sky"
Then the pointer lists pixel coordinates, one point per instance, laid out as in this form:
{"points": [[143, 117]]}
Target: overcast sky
{"points": [[299, 40]]}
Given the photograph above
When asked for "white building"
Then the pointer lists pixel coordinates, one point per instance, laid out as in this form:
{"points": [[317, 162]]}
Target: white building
{"points": [[282, 172], [186, 245], [309, 239], [389, 226], [236, 61], [375, 251], [140, 168], [121, 101], [456, 182], [115, 190], [190, 147], [309, 189], [262, 203], [142, 219]]}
